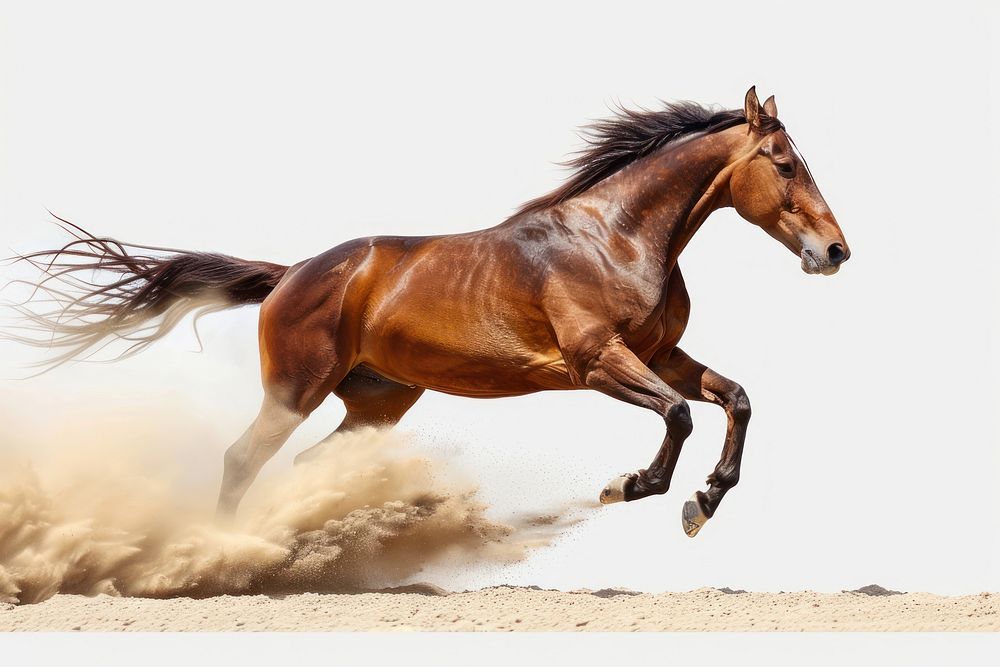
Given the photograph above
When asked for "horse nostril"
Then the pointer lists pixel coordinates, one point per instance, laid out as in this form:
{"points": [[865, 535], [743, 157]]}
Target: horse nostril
{"points": [[836, 253]]}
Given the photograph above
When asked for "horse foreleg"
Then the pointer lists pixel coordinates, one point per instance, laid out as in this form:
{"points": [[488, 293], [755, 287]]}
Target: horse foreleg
{"points": [[617, 372], [697, 382]]}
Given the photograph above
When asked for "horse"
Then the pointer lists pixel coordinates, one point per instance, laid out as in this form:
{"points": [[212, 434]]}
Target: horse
{"points": [[578, 289]]}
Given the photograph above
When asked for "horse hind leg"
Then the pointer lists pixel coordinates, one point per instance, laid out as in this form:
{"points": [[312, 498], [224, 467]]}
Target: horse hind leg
{"points": [[371, 401], [243, 460], [281, 412], [296, 377], [309, 328]]}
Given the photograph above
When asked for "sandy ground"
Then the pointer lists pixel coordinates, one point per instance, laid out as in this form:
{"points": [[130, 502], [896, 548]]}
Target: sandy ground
{"points": [[515, 609]]}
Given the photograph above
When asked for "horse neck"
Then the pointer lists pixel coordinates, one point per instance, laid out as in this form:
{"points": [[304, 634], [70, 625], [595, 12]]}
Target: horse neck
{"points": [[665, 197]]}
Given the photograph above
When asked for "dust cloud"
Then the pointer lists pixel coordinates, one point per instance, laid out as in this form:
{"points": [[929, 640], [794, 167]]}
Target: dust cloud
{"points": [[369, 513]]}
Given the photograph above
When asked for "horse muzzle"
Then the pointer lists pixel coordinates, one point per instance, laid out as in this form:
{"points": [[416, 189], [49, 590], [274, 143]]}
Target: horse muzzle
{"points": [[826, 263]]}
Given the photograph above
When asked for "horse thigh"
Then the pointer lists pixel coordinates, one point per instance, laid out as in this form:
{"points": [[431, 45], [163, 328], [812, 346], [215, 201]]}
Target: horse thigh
{"points": [[303, 359]]}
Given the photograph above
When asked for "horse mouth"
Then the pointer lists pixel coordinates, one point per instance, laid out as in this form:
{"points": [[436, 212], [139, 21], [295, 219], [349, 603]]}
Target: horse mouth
{"points": [[812, 265]]}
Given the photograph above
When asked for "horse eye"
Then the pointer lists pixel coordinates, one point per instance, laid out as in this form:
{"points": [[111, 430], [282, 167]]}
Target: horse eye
{"points": [[786, 169]]}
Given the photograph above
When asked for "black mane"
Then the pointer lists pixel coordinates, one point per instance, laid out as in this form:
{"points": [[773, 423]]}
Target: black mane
{"points": [[629, 135]]}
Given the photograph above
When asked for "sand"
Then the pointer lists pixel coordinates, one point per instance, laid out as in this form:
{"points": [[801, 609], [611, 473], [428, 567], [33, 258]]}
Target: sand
{"points": [[367, 516], [96, 540], [508, 609]]}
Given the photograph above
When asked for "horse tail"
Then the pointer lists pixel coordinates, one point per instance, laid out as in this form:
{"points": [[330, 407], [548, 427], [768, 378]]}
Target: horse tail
{"points": [[150, 291]]}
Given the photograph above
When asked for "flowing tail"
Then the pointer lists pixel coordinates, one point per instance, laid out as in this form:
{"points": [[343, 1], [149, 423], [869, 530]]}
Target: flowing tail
{"points": [[150, 291]]}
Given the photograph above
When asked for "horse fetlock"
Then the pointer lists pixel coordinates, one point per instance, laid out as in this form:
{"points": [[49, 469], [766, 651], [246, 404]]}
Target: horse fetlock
{"points": [[647, 485], [724, 478]]}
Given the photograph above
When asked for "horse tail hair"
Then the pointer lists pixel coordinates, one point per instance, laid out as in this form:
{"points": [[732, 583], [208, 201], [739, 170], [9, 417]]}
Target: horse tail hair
{"points": [[149, 292]]}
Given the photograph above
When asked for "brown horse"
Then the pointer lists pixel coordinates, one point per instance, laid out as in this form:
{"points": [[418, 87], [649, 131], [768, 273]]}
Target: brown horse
{"points": [[580, 289]]}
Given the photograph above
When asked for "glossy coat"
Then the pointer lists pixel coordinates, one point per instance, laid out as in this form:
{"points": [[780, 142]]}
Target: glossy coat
{"points": [[579, 292]]}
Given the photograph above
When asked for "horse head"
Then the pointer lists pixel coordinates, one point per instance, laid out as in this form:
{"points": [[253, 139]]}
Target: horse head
{"points": [[773, 188]]}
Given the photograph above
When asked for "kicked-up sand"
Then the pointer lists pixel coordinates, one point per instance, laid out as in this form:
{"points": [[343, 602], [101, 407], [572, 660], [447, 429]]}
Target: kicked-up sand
{"points": [[93, 541], [506, 609]]}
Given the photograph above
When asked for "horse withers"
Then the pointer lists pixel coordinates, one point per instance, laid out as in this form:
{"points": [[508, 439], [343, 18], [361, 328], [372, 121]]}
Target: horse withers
{"points": [[579, 289]]}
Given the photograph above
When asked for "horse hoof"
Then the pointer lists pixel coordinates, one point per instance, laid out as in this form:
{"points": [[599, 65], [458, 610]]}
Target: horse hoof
{"points": [[614, 492], [692, 516]]}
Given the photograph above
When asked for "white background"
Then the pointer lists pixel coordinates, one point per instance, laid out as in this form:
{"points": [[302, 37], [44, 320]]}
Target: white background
{"points": [[275, 132]]}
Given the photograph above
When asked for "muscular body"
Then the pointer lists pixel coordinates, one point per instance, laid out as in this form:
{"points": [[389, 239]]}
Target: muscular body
{"points": [[578, 290]]}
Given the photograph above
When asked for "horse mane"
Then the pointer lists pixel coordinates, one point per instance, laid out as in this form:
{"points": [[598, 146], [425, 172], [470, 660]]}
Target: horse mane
{"points": [[629, 135]]}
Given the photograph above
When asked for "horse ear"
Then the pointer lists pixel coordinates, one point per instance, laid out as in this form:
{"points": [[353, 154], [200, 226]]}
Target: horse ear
{"points": [[751, 108], [770, 107]]}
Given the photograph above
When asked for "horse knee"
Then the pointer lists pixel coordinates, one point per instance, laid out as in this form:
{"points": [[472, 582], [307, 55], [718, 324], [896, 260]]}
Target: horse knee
{"points": [[739, 404], [678, 418]]}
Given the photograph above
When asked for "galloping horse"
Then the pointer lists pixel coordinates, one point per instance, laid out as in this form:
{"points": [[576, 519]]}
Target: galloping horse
{"points": [[579, 289]]}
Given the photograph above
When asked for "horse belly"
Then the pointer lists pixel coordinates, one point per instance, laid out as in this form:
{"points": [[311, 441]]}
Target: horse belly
{"points": [[487, 353]]}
